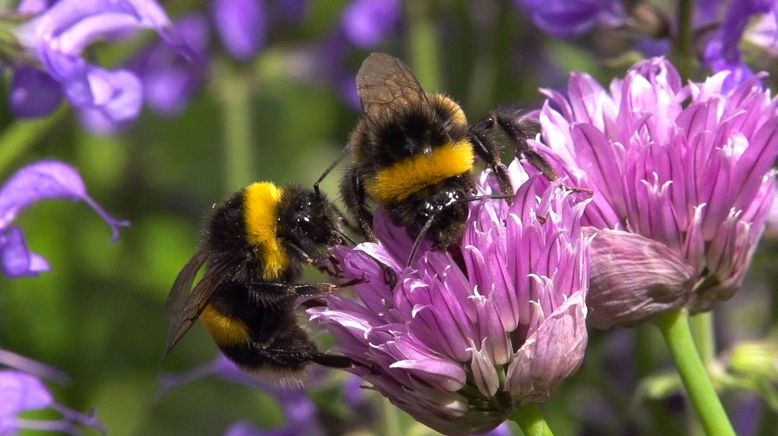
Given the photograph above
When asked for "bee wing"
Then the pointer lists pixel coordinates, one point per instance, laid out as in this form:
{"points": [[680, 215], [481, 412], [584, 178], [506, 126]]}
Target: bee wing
{"points": [[384, 82], [184, 304]]}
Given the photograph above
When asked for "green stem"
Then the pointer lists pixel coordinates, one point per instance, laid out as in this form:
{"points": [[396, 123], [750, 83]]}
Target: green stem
{"points": [[702, 332], [391, 418], [702, 329], [423, 43], [677, 334], [531, 421], [682, 52], [235, 96], [647, 344], [20, 136]]}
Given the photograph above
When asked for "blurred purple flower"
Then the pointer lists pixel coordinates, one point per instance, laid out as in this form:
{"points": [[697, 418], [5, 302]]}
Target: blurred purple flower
{"points": [[501, 430], [366, 23], [460, 346], [241, 25], [289, 10], [567, 18], [21, 392], [57, 37], [683, 184], [722, 52], [38, 181], [300, 412], [169, 81], [34, 93], [764, 34]]}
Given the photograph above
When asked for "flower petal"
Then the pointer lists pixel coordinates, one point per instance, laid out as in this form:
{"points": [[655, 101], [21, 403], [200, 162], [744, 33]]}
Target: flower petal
{"points": [[46, 180], [16, 259], [20, 392], [34, 93], [633, 277]]}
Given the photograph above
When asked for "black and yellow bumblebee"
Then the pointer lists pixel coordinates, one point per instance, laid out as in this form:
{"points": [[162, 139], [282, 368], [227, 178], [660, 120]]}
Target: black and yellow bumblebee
{"points": [[413, 153], [254, 246]]}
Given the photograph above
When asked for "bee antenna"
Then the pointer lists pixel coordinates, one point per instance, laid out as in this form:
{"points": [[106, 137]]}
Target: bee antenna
{"points": [[345, 236], [428, 223], [419, 238], [331, 167], [486, 197]]}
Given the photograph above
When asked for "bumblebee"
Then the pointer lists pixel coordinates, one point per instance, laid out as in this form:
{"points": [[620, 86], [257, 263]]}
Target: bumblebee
{"points": [[254, 246], [413, 153]]}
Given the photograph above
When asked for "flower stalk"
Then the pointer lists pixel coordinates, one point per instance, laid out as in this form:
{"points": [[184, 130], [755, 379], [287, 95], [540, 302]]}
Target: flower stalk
{"points": [[235, 97], [683, 56], [423, 44], [676, 331], [531, 421]]}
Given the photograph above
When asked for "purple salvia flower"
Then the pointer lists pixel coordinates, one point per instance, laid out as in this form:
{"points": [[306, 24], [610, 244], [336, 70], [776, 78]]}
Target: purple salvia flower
{"points": [[241, 25], [169, 81], [682, 179], [35, 182], [21, 392], [366, 23], [300, 412], [461, 345], [57, 37], [34, 93], [722, 52], [764, 35], [17, 361], [566, 18]]}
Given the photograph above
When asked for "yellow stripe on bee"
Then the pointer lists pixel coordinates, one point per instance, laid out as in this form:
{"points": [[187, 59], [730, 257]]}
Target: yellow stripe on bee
{"points": [[225, 330], [261, 215], [410, 175], [446, 101]]}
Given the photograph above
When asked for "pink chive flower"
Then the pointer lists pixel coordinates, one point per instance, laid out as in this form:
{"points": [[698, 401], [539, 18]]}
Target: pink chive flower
{"points": [[682, 179], [461, 342]]}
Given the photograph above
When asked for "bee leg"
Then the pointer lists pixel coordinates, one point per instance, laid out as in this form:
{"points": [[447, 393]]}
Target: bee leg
{"points": [[488, 151], [332, 360], [341, 362], [517, 131], [275, 292], [354, 196]]}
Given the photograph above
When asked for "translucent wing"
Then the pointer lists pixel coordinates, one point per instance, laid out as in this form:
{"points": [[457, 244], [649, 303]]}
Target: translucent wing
{"points": [[384, 83], [184, 304]]}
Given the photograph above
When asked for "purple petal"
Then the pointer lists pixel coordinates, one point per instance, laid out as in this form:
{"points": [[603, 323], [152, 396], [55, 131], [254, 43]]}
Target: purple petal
{"points": [[34, 93], [29, 366], [117, 94], [551, 354], [241, 26], [633, 278], [47, 180], [564, 18], [33, 6], [59, 34], [20, 392], [169, 82], [368, 22], [17, 260]]}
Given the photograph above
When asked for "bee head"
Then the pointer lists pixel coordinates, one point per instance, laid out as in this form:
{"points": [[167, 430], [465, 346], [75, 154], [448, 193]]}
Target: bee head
{"points": [[310, 221], [448, 210]]}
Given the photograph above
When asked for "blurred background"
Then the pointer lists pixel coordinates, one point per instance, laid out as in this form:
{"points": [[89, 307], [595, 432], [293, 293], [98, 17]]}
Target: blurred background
{"points": [[282, 114]]}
